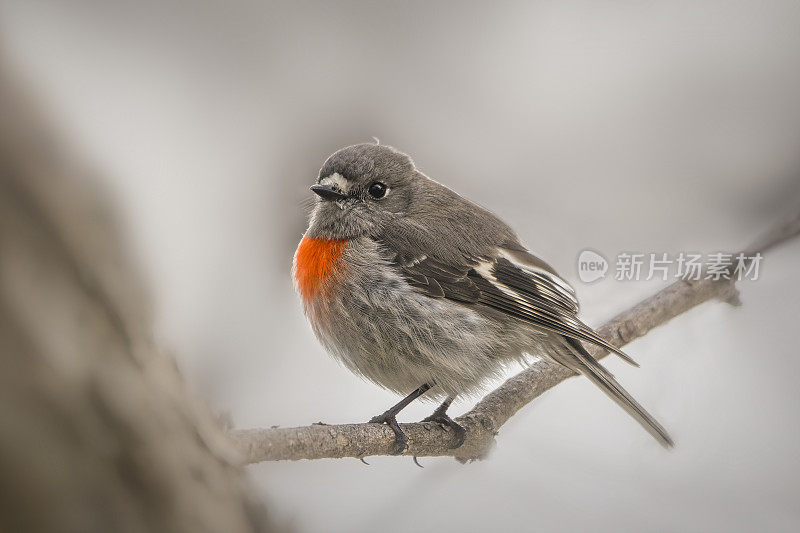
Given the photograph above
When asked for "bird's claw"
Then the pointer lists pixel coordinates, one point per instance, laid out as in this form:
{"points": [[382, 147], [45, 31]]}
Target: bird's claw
{"points": [[400, 438], [459, 432]]}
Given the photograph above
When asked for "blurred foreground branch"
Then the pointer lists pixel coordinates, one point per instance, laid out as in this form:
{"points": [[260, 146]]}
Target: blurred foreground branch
{"points": [[485, 419], [99, 432]]}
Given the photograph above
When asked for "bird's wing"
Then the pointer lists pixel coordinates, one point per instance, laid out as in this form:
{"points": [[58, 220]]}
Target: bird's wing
{"points": [[512, 281]]}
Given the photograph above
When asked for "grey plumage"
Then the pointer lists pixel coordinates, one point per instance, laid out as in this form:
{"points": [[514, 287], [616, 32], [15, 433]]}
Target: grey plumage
{"points": [[436, 289]]}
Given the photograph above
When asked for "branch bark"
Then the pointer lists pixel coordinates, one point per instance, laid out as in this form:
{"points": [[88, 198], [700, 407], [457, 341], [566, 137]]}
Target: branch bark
{"points": [[99, 431], [485, 419]]}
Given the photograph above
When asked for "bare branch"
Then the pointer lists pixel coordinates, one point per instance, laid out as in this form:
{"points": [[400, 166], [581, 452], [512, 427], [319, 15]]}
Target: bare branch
{"points": [[485, 419]]}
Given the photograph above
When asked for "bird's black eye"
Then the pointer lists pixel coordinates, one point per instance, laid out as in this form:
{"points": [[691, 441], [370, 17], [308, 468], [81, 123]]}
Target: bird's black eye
{"points": [[377, 190]]}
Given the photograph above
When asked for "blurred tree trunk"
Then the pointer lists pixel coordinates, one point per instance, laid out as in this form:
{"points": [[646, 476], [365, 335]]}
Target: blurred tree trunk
{"points": [[98, 432]]}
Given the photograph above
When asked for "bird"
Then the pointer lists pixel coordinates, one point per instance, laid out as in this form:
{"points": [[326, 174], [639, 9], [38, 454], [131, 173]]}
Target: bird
{"points": [[428, 294]]}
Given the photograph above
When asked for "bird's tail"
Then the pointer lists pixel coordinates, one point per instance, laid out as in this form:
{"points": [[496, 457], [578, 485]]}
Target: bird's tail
{"points": [[579, 360]]}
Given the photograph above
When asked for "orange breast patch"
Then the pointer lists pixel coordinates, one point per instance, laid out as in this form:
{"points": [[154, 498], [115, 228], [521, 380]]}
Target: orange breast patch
{"points": [[315, 261]]}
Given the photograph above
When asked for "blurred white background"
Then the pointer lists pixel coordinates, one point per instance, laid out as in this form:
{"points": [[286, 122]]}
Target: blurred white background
{"points": [[619, 126]]}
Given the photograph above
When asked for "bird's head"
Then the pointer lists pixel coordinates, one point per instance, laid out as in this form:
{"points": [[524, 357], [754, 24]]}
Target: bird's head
{"points": [[360, 189]]}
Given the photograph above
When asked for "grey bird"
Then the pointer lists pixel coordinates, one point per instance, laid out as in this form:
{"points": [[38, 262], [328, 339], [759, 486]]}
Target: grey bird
{"points": [[424, 292]]}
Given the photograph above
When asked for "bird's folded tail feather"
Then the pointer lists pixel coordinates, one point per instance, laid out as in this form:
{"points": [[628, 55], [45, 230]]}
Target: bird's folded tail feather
{"points": [[576, 358]]}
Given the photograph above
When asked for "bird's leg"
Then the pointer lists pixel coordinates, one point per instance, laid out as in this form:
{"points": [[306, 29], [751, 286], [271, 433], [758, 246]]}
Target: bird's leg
{"points": [[389, 418], [440, 417]]}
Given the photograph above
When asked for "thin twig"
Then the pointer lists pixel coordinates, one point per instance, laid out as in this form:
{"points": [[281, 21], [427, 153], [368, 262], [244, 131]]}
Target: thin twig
{"points": [[485, 419]]}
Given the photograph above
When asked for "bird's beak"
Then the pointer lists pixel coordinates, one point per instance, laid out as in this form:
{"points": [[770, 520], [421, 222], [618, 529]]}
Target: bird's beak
{"points": [[328, 192]]}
